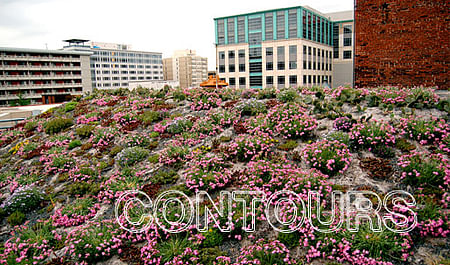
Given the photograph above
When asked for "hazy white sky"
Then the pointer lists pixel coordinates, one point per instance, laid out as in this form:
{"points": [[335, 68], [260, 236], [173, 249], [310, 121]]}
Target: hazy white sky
{"points": [[160, 26]]}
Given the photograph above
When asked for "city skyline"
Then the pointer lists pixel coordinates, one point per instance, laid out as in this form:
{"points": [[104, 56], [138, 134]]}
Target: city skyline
{"points": [[33, 23]]}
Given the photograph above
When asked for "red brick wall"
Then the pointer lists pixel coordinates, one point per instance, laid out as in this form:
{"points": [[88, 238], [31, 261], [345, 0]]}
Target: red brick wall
{"points": [[402, 42]]}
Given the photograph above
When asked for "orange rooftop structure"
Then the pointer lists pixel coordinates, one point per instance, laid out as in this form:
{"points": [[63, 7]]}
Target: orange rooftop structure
{"points": [[213, 82]]}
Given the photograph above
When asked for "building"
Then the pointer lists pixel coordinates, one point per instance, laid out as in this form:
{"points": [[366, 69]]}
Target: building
{"points": [[116, 65], [286, 47], [43, 76], [402, 42], [186, 67], [154, 85], [343, 26]]}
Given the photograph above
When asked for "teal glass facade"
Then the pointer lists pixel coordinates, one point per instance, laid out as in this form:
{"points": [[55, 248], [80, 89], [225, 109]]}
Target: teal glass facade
{"points": [[288, 23]]}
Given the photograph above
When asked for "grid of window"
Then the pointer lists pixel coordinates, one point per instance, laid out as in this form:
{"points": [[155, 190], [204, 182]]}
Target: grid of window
{"points": [[255, 67], [280, 58], [336, 41], [347, 54], [255, 38], [221, 31], [254, 23], [347, 35], [292, 57], [269, 26], [241, 29], [255, 53], [292, 21], [280, 25], [230, 27]]}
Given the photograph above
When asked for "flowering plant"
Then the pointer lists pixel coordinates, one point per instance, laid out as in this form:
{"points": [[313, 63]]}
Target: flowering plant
{"points": [[371, 134], [266, 252], [330, 157], [207, 172], [425, 132], [343, 124], [291, 121], [249, 147], [76, 213]]}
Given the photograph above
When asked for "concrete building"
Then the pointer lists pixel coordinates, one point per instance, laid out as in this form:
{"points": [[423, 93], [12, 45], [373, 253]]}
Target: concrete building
{"points": [[155, 85], [116, 65], [402, 43], [343, 43], [186, 67], [43, 76], [286, 47]]}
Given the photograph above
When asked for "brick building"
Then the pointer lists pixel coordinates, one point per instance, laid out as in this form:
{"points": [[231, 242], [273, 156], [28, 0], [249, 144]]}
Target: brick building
{"points": [[402, 42]]}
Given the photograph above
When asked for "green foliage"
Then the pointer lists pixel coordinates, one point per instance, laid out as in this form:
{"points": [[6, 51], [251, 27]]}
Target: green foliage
{"points": [[16, 218], [288, 145], [85, 131], [339, 136], [289, 239], [251, 107], [82, 188], [287, 95], [132, 155], [23, 200], [154, 159], [266, 93], [30, 126], [149, 116], [57, 124], [74, 144], [174, 246], [213, 238], [383, 151], [115, 150], [178, 95], [165, 177], [70, 106], [404, 145], [179, 126], [209, 255]]}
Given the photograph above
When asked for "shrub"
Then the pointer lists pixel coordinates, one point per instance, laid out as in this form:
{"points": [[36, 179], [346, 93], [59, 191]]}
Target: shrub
{"points": [[343, 124], [291, 121], [85, 131], [154, 159], [165, 177], [30, 126], [213, 238], [289, 239], [432, 218], [403, 145], [383, 151], [175, 246], [94, 241], [16, 218], [131, 155], [70, 106], [30, 245], [74, 144], [425, 132], [209, 255], [174, 154], [265, 253], [248, 147], [179, 125], [330, 157], [251, 107], [149, 116], [115, 150], [78, 212], [23, 199], [288, 145], [57, 124], [207, 173], [287, 95], [423, 169], [82, 188], [371, 134], [339, 136]]}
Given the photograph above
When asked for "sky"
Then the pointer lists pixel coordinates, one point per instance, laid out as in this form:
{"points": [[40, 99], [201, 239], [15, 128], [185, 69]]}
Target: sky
{"points": [[158, 26]]}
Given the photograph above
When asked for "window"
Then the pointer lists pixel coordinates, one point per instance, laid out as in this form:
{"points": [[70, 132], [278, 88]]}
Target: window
{"points": [[241, 67], [241, 54], [242, 81], [255, 53], [269, 81], [221, 68], [336, 41], [281, 81], [347, 54], [292, 23], [254, 23], [231, 55], [292, 80], [269, 26], [232, 81], [256, 81], [255, 67], [255, 38], [293, 57], [304, 57], [269, 51], [241, 29], [221, 31], [304, 79], [304, 24], [348, 35], [269, 66], [280, 58], [230, 25], [280, 25], [231, 68]]}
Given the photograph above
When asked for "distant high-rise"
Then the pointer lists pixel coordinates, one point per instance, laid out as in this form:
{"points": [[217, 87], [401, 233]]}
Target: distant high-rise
{"points": [[115, 65], [285, 47], [43, 76], [186, 67]]}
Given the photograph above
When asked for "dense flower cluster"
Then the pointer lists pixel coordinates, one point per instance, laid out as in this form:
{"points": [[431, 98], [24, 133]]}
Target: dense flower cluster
{"points": [[330, 157], [266, 252], [371, 134], [75, 213], [249, 147], [343, 124], [425, 131], [292, 121], [207, 173]]}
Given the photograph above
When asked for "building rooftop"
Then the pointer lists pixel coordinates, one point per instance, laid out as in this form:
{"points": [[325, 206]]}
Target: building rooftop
{"points": [[11, 49], [342, 15]]}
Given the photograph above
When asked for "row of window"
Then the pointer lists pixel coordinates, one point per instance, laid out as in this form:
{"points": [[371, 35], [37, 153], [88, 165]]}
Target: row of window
{"points": [[126, 54], [115, 78], [282, 81], [347, 39], [273, 25], [106, 72], [313, 59], [121, 60]]}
